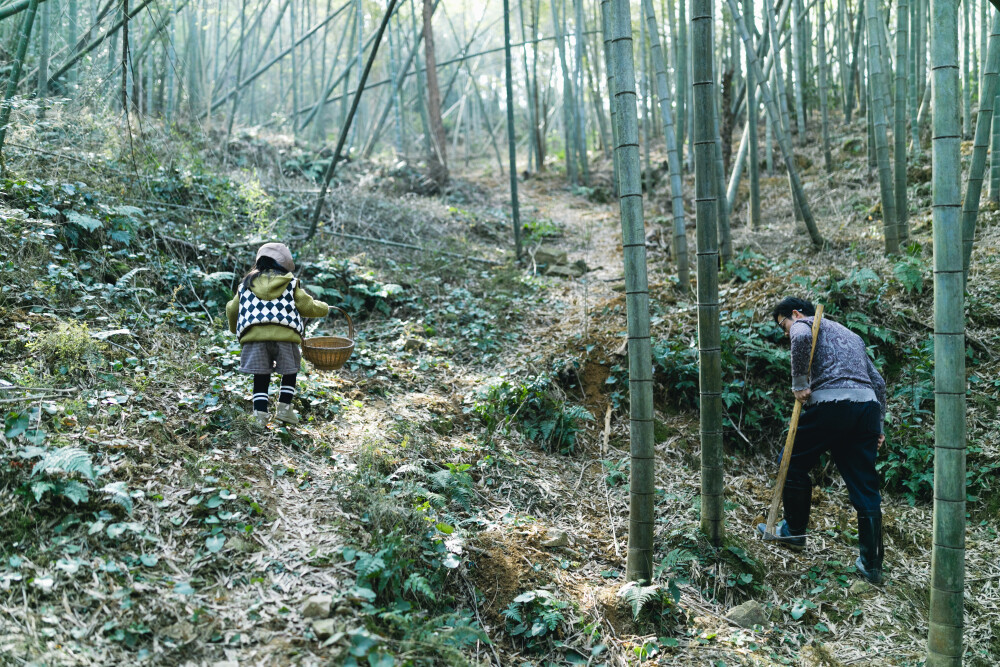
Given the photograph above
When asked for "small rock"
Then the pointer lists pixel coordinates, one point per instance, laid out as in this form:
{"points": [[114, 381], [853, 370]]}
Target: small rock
{"points": [[550, 255], [555, 538], [859, 587], [317, 606], [323, 628], [819, 655], [413, 344], [181, 631], [748, 614], [564, 271]]}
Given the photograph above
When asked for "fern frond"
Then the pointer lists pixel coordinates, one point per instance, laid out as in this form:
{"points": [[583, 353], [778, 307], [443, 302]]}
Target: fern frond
{"points": [[369, 565], [66, 460], [513, 614], [418, 584], [638, 596], [117, 493]]}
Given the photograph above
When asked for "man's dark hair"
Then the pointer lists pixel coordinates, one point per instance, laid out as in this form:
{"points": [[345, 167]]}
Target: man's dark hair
{"points": [[790, 303]]}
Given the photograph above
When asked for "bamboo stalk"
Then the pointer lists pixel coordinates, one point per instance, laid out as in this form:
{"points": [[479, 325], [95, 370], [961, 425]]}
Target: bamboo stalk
{"points": [[985, 122], [706, 207], [786, 149], [15, 71], [642, 487], [350, 117], [946, 619], [673, 158], [879, 122]]}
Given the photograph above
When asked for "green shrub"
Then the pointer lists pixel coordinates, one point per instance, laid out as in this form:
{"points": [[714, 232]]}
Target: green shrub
{"points": [[536, 617], [67, 348], [530, 406]]}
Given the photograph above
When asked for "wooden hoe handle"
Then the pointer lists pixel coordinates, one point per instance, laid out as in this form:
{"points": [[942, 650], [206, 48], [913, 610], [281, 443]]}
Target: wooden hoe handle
{"points": [[786, 457]]}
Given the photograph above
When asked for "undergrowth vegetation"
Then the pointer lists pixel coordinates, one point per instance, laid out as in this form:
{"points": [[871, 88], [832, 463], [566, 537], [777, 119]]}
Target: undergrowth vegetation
{"points": [[454, 490]]}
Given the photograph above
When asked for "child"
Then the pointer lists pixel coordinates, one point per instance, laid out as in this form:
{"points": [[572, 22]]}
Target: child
{"points": [[267, 314]]}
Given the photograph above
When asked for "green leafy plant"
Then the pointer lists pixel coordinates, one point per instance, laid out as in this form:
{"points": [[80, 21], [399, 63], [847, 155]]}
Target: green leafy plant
{"points": [[538, 416], [65, 472], [537, 616], [909, 271]]}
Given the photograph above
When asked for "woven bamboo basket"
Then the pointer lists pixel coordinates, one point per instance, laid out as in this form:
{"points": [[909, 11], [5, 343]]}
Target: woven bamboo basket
{"points": [[330, 353]]}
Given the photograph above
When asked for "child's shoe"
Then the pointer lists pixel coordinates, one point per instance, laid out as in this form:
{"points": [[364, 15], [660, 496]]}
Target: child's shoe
{"points": [[286, 414], [261, 417]]}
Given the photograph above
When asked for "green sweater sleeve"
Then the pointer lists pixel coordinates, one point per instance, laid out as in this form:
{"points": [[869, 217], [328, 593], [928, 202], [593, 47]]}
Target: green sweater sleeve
{"points": [[308, 306], [232, 310]]}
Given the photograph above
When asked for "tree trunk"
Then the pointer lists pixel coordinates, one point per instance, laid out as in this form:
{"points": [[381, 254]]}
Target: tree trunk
{"points": [[854, 73], [706, 207], [342, 138], [879, 122], [966, 74], [984, 124], [753, 118], [799, 57], [899, 134], [239, 75], [944, 640], [580, 108], [438, 158], [568, 114], [511, 136], [15, 70], [783, 142], [673, 159], [609, 67], [642, 488], [824, 113], [995, 157], [681, 72], [43, 51], [125, 67], [912, 72]]}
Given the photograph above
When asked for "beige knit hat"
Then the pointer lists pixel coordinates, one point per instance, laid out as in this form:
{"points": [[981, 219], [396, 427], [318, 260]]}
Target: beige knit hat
{"points": [[279, 252]]}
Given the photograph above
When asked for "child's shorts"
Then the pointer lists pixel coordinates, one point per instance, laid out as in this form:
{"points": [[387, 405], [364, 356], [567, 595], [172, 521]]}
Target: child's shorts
{"points": [[268, 357]]}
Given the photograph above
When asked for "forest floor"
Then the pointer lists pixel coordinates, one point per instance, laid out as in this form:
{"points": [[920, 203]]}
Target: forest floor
{"points": [[458, 493]]}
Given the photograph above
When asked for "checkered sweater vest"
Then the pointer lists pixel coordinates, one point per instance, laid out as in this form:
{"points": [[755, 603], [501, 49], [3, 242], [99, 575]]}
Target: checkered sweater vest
{"points": [[281, 311]]}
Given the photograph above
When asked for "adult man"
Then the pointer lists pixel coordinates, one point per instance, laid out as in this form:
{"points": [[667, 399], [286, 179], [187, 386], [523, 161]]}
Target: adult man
{"points": [[843, 399]]}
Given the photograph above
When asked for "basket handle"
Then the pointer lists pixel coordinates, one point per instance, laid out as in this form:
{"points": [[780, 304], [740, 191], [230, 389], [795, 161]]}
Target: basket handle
{"points": [[350, 322]]}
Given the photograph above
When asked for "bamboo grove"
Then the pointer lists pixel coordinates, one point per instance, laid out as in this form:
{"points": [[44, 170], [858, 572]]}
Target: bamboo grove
{"points": [[725, 89]]}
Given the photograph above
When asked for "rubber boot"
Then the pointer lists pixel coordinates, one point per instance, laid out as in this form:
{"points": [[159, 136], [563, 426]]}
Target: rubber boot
{"points": [[286, 414], [869, 563], [797, 501], [261, 417]]}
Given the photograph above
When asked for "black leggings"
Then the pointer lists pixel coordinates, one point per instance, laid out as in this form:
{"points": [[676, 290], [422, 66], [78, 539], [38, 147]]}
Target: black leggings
{"points": [[261, 384], [849, 431]]}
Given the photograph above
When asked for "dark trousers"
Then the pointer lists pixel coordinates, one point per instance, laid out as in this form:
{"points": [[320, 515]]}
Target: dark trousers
{"points": [[849, 431]]}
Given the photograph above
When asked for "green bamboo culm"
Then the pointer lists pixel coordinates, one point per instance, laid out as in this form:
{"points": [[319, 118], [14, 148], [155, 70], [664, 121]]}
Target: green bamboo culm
{"points": [[824, 112], [899, 133], [753, 118], [12, 8], [944, 639], [995, 157], [984, 124], [673, 159], [879, 122], [515, 214], [706, 208], [15, 71], [639, 566], [606, 35], [851, 78], [913, 100], [783, 141]]}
